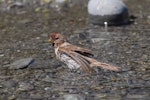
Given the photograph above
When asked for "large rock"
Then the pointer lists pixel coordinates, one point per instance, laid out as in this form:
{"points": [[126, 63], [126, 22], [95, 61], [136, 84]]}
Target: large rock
{"points": [[114, 12], [21, 63]]}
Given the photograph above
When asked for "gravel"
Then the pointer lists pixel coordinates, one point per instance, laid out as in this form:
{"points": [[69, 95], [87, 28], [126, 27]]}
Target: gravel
{"points": [[24, 36]]}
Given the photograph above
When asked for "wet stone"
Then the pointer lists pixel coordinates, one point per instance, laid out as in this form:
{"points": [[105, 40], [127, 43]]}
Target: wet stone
{"points": [[74, 97], [23, 86], [1, 86], [47, 88], [10, 84], [48, 79], [22, 63], [137, 96], [12, 97], [36, 96]]}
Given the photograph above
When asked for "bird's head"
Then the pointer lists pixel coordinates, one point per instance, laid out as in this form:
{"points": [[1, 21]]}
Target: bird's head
{"points": [[56, 39]]}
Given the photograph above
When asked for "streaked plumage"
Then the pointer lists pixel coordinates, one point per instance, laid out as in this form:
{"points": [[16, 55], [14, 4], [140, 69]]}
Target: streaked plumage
{"points": [[76, 57]]}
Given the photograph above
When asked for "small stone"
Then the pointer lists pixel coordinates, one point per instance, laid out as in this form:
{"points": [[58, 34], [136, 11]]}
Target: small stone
{"points": [[12, 97], [73, 97], [25, 86], [73, 90], [10, 84], [15, 4], [24, 21], [22, 63], [1, 86], [47, 88], [136, 96], [36, 96], [59, 5], [60, 1], [1, 55], [37, 38]]}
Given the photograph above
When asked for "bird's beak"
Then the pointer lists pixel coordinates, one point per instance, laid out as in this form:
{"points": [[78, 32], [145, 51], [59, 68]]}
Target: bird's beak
{"points": [[50, 40]]}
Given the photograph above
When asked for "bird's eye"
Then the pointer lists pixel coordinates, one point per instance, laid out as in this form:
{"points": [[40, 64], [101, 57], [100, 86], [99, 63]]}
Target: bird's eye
{"points": [[56, 38]]}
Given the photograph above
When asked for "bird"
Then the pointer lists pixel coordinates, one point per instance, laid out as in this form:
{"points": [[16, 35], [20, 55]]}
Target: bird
{"points": [[76, 57]]}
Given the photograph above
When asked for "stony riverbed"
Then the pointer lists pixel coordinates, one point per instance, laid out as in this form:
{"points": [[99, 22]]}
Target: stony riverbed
{"points": [[24, 32]]}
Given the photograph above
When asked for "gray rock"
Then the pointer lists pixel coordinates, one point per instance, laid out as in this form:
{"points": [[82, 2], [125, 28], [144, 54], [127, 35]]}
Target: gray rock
{"points": [[15, 4], [10, 84], [37, 64], [114, 12], [60, 1], [73, 97], [22, 63]]}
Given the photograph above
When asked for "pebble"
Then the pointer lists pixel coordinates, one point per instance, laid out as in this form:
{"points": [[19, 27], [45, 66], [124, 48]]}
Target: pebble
{"points": [[10, 84], [24, 21], [12, 97], [22, 63], [60, 1], [15, 4], [1, 86], [2, 55], [74, 97], [25, 86], [137, 96], [59, 5], [36, 96], [47, 88]]}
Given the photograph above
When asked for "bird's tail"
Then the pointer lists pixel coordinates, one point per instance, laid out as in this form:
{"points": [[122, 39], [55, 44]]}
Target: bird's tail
{"points": [[95, 63], [106, 66]]}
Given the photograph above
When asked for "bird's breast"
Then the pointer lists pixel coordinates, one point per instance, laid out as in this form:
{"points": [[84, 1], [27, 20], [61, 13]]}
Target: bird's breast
{"points": [[71, 63]]}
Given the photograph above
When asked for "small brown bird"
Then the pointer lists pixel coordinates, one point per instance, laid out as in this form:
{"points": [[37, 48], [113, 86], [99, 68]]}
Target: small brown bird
{"points": [[76, 57]]}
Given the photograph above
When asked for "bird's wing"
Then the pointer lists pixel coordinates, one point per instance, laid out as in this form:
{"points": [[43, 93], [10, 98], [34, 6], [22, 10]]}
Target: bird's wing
{"points": [[84, 63], [79, 50]]}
